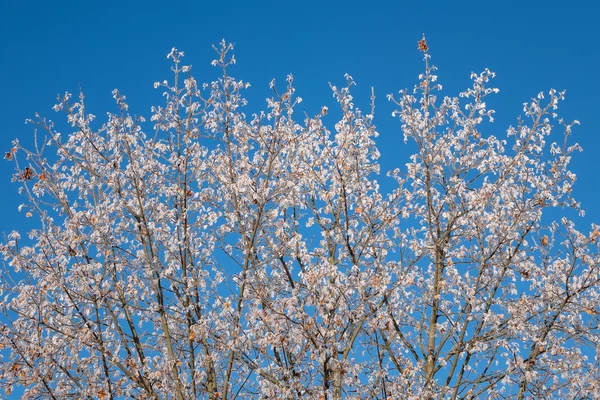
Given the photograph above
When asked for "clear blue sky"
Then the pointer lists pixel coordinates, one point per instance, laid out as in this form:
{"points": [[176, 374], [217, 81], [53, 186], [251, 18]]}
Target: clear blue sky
{"points": [[48, 47]]}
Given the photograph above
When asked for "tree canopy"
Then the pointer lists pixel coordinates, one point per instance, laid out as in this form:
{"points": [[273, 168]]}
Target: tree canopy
{"points": [[206, 253]]}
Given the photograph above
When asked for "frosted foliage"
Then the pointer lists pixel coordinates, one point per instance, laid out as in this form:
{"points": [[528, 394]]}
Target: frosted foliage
{"points": [[206, 253]]}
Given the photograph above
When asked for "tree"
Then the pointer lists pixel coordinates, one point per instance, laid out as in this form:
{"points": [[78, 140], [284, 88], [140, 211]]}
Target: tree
{"points": [[224, 256]]}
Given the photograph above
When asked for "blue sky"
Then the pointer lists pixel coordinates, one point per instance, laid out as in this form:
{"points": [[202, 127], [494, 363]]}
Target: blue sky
{"points": [[47, 48]]}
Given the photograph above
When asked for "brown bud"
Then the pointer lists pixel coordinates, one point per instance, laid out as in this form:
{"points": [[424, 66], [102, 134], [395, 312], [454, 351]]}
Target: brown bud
{"points": [[27, 174]]}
